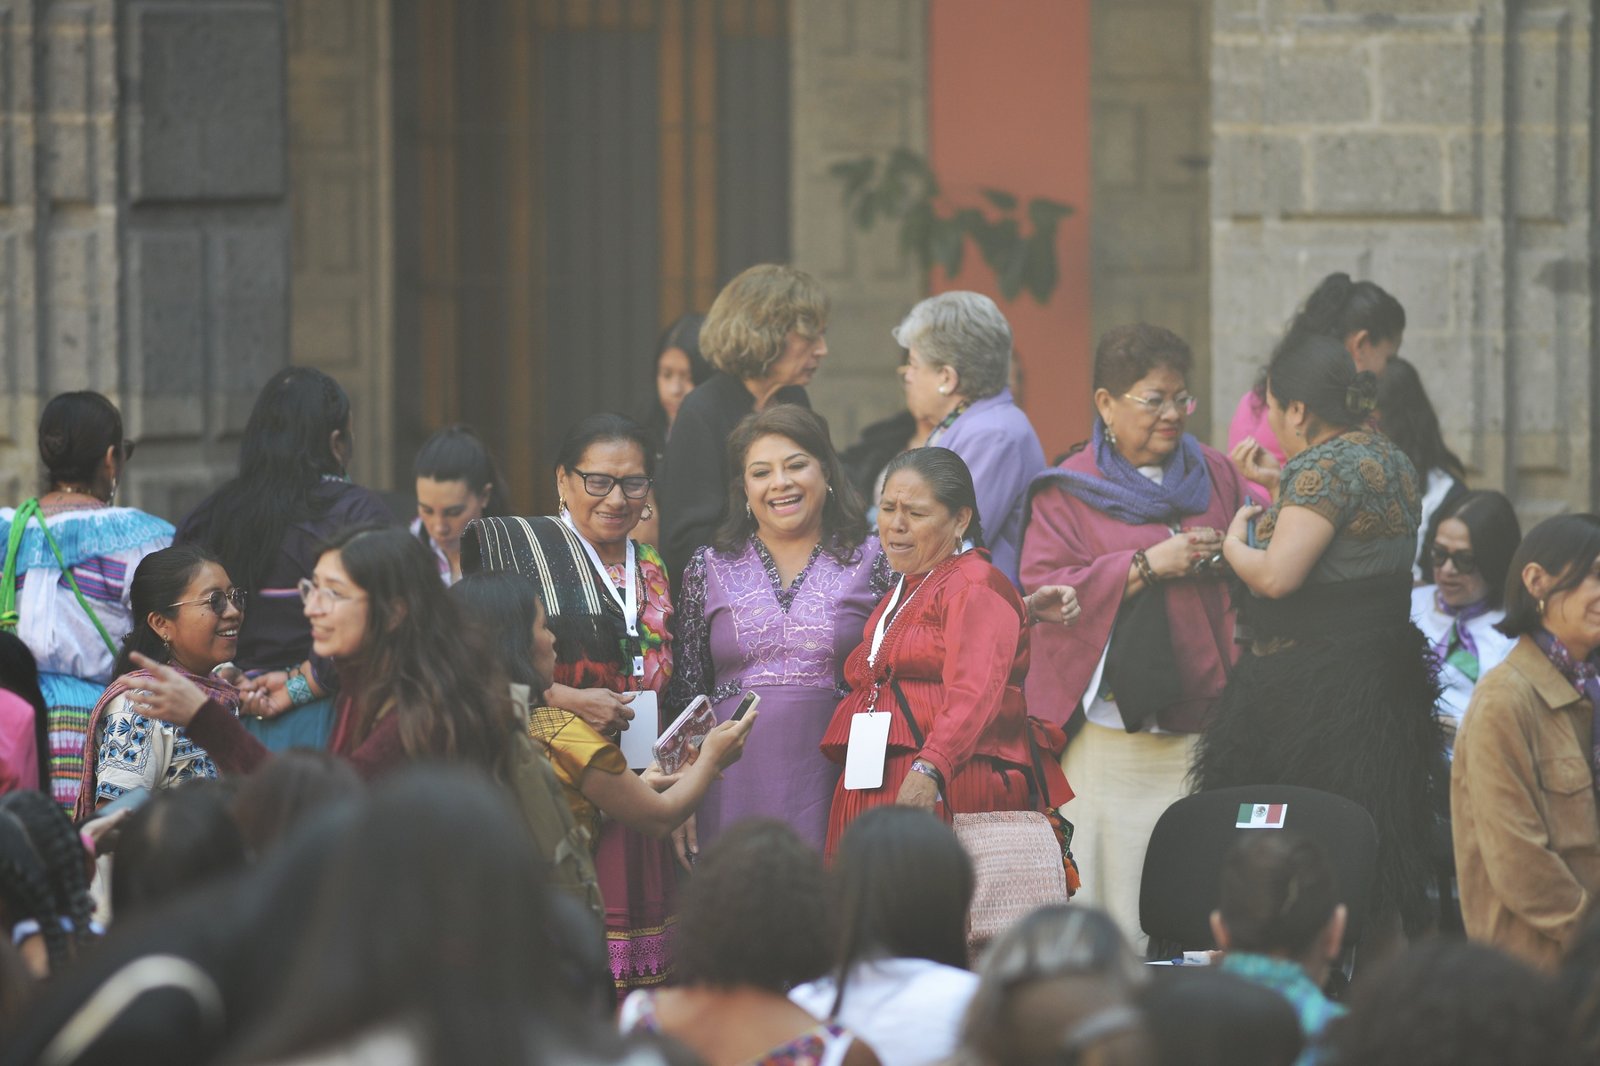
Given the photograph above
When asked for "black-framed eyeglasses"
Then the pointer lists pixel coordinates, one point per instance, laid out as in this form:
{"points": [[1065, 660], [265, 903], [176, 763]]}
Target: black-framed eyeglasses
{"points": [[634, 486], [1464, 561], [218, 600]]}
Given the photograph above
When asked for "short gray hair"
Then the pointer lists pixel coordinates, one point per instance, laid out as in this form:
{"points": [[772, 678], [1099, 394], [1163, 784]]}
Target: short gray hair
{"points": [[966, 332]]}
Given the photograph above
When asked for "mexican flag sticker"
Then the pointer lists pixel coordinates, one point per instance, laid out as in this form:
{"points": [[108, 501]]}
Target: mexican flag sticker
{"points": [[1261, 815]]}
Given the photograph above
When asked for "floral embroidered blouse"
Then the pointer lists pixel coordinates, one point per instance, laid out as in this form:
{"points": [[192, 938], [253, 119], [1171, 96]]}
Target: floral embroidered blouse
{"points": [[1366, 487]]}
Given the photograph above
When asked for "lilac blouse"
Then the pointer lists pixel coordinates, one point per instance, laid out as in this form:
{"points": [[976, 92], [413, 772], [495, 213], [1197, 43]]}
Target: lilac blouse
{"points": [[740, 629]]}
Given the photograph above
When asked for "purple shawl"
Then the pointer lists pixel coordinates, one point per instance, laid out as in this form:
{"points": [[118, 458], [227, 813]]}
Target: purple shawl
{"points": [[1129, 496]]}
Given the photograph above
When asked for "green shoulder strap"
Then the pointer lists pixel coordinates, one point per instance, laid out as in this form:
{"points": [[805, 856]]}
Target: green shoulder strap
{"points": [[9, 616]]}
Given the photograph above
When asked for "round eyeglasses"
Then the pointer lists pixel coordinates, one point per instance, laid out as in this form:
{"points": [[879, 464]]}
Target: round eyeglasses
{"points": [[218, 600]]}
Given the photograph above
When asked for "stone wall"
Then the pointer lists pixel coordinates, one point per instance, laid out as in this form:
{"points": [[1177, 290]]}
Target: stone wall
{"points": [[143, 227], [1443, 148], [859, 87]]}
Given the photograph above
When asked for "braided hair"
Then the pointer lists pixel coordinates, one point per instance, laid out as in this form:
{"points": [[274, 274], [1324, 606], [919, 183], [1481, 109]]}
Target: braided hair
{"points": [[60, 850], [25, 890]]}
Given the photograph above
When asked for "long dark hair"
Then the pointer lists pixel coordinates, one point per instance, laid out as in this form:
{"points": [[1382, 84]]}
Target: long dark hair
{"points": [[1336, 308], [75, 429], [1494, 531], [158, 581], [684, 335], [844, 521], [19, 675], [457, 453], [948, 476], [183, 838], [49, 834], [504, 605], [1411, 422], [902, 885], [436, 912], [420, 661], [285, 453]]}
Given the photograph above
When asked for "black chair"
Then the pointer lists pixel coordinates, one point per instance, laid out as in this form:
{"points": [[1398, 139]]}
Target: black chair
{"points": [[1183, 866]]}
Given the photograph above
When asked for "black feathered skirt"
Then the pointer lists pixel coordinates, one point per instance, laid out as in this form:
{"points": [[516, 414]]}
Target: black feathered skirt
{"points": [[1337, 693]]}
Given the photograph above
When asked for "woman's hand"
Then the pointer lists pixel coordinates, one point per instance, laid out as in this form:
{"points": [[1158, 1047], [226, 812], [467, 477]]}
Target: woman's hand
{"points": [[1239, 528], [1174, 557], [918, 790], [1255, 463], [604, 710], [1054, 603], [724, 744], [266, 695], [168, 696], [686, 843], [659, 780]]}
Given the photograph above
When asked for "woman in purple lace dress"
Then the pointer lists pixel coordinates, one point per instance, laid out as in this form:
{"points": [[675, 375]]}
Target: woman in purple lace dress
{"points": [[774, 605]]}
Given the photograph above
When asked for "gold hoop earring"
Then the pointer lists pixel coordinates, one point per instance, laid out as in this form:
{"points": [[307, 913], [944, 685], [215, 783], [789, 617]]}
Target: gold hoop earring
{"points": [[563, 501]]}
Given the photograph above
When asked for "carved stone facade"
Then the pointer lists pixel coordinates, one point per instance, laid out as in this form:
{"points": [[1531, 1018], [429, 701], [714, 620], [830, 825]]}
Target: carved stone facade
{"points": [[1444, 148], [144, 234]]}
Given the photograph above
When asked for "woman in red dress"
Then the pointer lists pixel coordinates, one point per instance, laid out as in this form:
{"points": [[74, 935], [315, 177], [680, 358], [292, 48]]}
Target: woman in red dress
{"points": [[944, 656]]}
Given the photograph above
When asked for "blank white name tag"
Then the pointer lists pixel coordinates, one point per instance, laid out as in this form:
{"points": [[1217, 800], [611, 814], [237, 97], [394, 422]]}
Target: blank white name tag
{"points": [[868, 750], [638, 740]]}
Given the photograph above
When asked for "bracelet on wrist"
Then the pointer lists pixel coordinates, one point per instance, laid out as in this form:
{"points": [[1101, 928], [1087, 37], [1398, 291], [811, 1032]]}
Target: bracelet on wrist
{"points": [[299, 689], [1147, 573], [927, 769]]}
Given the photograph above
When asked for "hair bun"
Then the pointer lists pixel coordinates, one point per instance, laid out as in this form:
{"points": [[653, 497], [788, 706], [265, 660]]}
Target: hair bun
{"points": [[1361, 398]]}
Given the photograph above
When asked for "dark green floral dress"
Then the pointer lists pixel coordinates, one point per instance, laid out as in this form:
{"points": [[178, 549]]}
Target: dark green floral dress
{"points": [[1336, 690]]}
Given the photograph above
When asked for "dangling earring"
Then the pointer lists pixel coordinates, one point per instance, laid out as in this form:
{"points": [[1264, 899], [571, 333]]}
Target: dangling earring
{"points": [[751, 515], [1541, 608], [563, 501], [648, 513], [166, 649], [1111, 436], [830, 490]]}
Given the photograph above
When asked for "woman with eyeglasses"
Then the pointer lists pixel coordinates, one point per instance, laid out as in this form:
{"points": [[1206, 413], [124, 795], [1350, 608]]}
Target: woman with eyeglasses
{"points": [[1468, 559], [1336, 691], [64, 582], [415, 684], [609, 607], [267, 526], [188, 614], [1132, 521]]}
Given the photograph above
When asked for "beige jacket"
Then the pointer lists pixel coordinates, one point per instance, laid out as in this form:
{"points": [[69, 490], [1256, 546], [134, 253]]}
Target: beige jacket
{"points": [[1522, 798]]}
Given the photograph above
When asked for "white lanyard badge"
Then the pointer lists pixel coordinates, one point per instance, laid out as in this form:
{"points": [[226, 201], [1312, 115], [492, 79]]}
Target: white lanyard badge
{"points": [[628, 600], [884, 621]]}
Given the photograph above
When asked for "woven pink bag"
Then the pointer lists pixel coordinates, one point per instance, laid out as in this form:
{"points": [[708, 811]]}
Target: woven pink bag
{"points": [[1017, 862]]}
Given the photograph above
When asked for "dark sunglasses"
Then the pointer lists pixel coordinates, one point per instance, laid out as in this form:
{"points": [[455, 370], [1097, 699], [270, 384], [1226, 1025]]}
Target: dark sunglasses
{"points": [[218, 600], [1464, 562]]}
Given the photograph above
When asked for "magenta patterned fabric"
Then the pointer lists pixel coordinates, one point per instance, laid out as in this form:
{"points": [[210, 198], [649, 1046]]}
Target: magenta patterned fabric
{"points": [[739, 630]]}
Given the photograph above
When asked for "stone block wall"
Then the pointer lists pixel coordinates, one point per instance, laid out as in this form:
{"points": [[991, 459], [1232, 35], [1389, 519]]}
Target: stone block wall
{"points": [[1445, 149], [143, 227], [859, 87]]}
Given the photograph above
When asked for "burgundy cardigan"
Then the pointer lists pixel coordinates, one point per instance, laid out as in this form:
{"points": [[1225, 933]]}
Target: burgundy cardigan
{"points": [[236, 751]]}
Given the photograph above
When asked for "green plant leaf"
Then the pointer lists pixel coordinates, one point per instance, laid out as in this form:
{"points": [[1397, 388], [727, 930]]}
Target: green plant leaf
{"points": [[947, 242], [1040, 272], [1047, 214], [1000, 198], [1009, 268], [854, 174], [916, 233]]}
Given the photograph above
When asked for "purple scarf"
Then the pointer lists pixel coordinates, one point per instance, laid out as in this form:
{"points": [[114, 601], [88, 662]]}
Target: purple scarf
{"points": [[1458, 632], [1128, 496], [1585, 677]]}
